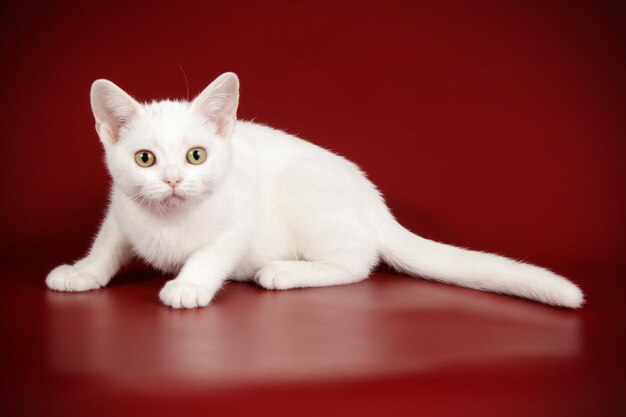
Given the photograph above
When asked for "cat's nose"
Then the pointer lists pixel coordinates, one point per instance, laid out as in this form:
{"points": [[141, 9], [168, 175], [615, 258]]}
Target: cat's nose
{"points": [[172, 182]]}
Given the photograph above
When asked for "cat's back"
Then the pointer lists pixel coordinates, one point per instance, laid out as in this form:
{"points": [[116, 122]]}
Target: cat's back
{"points": [[265, 148], [265, 142], [299, 174]]}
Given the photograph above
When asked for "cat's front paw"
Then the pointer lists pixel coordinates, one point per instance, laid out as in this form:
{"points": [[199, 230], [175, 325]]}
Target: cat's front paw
{"points": [[180, 294], [74, 278]]}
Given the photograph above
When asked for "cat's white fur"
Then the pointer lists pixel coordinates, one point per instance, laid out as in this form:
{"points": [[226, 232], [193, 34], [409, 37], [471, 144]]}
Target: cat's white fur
{"points": [[265, 206]]}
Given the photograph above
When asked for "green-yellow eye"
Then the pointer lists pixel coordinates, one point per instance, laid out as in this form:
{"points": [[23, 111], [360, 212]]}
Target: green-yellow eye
{"points": [[196, 156], [145, 158]]}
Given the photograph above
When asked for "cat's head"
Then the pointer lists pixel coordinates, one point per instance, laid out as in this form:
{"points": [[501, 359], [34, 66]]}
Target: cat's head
{"points": [[167, 154]]}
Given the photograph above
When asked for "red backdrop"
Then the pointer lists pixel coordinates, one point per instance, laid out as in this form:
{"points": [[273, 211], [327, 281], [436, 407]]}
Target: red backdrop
{"points": [[494, 126]]}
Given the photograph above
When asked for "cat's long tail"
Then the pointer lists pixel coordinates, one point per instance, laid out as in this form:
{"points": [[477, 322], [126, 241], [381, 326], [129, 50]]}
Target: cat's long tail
{"points": [[412, 254]]}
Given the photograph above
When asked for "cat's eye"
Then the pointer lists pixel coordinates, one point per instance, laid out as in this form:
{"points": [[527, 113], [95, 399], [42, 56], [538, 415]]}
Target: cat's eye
{"points": [[196, 156], [145, 158]]}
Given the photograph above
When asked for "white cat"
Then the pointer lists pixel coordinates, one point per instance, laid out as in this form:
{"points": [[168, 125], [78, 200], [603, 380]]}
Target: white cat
{"points": [[210, 198]]}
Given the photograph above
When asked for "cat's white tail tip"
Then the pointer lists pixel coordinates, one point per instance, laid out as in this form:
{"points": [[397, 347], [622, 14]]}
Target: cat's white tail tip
{"points": [[548, 288], [571, 296]]}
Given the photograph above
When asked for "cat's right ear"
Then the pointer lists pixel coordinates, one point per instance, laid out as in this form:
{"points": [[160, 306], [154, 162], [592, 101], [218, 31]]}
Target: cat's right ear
{"points": [[112, 108]]}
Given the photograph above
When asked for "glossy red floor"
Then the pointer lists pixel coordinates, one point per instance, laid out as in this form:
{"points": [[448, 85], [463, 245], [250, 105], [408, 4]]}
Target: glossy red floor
{"points": [[387, 346]]}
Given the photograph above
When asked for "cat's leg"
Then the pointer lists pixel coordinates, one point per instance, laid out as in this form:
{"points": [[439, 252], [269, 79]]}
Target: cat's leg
{"points": [[107, 255], [203, 273], [342, 267]]}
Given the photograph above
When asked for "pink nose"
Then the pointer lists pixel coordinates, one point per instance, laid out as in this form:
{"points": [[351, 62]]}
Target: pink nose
{"points": [[172, 182]]}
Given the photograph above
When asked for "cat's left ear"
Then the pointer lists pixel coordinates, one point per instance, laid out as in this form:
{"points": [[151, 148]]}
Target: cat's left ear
{"points": [[218, 103], [112, 108]]}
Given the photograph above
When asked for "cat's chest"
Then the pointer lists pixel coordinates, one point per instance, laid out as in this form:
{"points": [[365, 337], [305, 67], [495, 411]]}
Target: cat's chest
{"points": [[164, 245]]}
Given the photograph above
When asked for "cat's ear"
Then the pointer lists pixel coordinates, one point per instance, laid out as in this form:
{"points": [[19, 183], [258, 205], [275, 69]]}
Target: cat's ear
{"points": [[112, 108], [218, 103]]}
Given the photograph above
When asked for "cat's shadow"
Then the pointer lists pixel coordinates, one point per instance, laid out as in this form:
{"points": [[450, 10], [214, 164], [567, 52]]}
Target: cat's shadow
{"points": [[137, 273]]}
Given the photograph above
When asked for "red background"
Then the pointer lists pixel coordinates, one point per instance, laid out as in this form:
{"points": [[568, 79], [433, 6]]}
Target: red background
{"points": [[492, 125]]}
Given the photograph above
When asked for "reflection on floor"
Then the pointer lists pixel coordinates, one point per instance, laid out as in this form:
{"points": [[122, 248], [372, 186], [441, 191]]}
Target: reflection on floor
{"points": [[366, 347]]}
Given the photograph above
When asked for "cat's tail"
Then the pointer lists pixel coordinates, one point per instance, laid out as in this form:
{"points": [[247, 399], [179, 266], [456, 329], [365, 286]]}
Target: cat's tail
{"points": [[412, 254]]}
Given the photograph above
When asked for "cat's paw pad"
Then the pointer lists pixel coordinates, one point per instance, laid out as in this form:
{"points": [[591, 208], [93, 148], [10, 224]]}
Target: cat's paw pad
{"points": [[274, 276], [74, 278], [181, 294]]}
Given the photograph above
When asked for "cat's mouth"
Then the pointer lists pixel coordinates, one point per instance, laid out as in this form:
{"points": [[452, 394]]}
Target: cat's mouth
{"points": [[173, 201], [173, 197]]}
